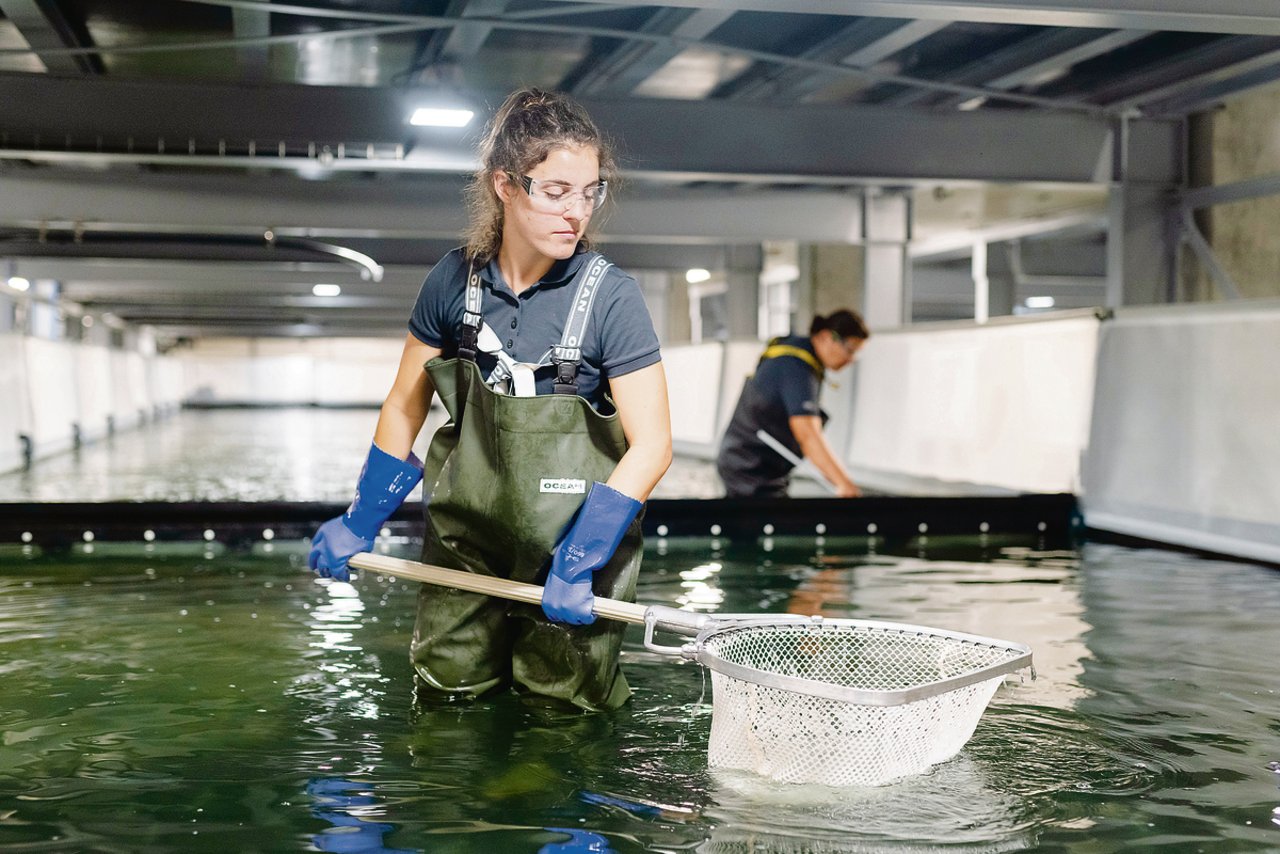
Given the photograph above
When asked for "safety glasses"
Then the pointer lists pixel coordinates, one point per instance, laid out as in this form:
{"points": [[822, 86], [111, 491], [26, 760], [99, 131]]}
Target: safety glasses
{"points": [[558, 197]]}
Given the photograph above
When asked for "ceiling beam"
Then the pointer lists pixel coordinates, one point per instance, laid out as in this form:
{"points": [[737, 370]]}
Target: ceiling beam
{"points": [[1172, 73], [70, 202], [630, 64], [1011, 59], [1201, 90], [863, 44], [716, 141], [47, 30], [1050, 66], [1245, 17]]}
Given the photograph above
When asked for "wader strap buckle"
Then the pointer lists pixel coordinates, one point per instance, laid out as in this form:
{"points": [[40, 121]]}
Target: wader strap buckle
{"points": [[472, 317], [468, 334], [566, 361]]}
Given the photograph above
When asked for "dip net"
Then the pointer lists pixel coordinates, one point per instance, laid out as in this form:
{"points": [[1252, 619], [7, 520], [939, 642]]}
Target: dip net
{"points": [[846, 702]]}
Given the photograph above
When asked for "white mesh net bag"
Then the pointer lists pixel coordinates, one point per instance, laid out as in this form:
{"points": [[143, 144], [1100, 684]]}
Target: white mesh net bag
{"points": [[806, 699], [846, 702]]}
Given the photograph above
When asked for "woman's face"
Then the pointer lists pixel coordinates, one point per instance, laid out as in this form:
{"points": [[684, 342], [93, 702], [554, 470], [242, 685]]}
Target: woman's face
{"points": [[533, 219], [835, 352]]}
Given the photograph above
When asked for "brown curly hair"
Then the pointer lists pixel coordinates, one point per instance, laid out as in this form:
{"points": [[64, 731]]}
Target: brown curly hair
{"points": [[528, 126]]}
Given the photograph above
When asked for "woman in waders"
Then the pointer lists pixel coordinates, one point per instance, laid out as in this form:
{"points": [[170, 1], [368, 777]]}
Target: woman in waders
{"points": [[546, 360]]}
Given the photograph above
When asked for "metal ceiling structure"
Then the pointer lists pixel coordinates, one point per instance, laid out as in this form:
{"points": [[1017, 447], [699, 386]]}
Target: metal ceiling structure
{"points": [[198, 165]]}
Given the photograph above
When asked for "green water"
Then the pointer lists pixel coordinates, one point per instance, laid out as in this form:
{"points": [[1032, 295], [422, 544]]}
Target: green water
{"points": [[178, 700]]}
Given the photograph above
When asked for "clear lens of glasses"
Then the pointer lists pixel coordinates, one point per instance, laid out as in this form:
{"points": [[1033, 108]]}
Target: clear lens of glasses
{"points": [[557, 198]]}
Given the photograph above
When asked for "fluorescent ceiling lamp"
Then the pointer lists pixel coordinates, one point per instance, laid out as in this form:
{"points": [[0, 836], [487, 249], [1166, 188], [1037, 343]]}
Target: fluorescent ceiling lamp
{"points": [[18, 283], [327, 290], [439, 117], [1039, 302], [697, 274]]}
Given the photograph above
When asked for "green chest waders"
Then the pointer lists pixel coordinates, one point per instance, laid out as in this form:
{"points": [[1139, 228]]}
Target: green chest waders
{"points": [[505, 477]]}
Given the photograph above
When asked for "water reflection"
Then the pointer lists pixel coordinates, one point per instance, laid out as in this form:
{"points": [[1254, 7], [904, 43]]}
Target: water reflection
{"points": [[579, 842], [1016, 600], [923, 813], [350, 808], [700, 589], [286, 454], [192, 695]]}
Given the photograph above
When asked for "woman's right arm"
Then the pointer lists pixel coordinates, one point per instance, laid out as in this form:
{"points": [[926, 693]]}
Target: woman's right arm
{"points": [[813, 445], [405, 409]]}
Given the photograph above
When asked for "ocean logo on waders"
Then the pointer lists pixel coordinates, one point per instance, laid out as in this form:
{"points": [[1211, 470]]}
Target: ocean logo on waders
{"points": [[563, 485]]}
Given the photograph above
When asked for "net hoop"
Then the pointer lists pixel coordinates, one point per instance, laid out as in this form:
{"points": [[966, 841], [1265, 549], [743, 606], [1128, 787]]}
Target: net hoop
{"points": [[1016, 657]]}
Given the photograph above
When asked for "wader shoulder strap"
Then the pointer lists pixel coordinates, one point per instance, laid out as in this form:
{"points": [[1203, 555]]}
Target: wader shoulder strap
{"points": [[775, 349], [567, 355], [472, 316]]}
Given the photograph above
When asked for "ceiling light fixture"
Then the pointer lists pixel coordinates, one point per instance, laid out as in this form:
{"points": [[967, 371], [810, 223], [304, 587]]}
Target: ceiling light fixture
{"points": [[440, 117], [697, 274], [19, 284], [1039, 302], [327, 290]]}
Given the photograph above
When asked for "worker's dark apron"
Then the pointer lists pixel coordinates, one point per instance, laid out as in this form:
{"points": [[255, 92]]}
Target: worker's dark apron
{"points": [[505, 477], [748, 467]]}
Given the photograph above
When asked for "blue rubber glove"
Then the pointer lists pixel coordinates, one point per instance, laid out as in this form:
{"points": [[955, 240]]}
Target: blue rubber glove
{"points": [[590, 542], [384, 482]]}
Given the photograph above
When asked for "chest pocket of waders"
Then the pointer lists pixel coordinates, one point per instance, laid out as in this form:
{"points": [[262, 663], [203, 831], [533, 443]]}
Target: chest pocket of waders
{"points": [[510, 472]]}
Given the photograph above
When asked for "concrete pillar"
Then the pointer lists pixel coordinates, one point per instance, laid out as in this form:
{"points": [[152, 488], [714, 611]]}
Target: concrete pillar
{"points": [[981, 284], [742, 272], [1238, 142], [835, 271], [45, 317], [1141, 245], [886, 227], [8, 311], [656, 287], [679, 329]]}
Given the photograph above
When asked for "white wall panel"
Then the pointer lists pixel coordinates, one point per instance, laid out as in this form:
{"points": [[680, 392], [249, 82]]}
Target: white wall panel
{"points": [[1185, 446], [740, 359], [165, 381], [51, 380], [130, 396], [338, 372], [281, 379], [693, 383], [93, 391], [355, 372], [216, 379], [15, 413], [1000, 407]]}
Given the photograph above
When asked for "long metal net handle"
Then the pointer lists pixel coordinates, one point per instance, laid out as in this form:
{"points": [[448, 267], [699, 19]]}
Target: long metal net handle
{"points": [[671, 619]]}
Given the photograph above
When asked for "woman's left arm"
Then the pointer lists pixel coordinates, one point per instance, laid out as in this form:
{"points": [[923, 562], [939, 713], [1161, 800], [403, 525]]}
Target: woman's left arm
{"points": [[641, 399]]}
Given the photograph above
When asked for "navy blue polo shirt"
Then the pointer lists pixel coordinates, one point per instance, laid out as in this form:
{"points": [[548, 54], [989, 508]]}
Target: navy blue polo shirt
{"points": [[619, 337], [788, 381]]}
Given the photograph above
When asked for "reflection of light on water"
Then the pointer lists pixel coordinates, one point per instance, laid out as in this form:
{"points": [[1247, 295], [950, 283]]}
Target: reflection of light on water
{"points": [[701, 592], [752, 811], [1038, 603], [333, 625], [344, 606]]}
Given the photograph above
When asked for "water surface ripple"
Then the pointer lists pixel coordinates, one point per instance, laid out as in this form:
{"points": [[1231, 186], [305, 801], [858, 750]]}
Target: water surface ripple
{"points": [[204, 700]]}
